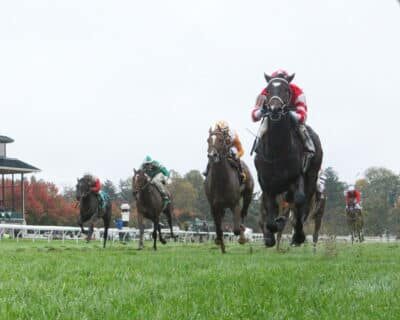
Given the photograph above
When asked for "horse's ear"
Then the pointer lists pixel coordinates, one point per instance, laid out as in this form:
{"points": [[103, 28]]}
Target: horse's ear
{"points": [[210, 130], [291, 77], [134, 171], [267, 77]]}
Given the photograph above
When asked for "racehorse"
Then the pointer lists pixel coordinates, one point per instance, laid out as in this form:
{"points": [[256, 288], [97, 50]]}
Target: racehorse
{"points": [[279, 162], [149, 204], [223, 186], [355, 222], [91, 209]]}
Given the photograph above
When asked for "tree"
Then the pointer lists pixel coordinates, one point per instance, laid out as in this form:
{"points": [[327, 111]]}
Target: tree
{"points": [[109, 188]]}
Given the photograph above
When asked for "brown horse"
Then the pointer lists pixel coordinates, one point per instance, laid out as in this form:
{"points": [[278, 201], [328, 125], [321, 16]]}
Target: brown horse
{"points": [[223, 188], [149, 205], [355, 221]]}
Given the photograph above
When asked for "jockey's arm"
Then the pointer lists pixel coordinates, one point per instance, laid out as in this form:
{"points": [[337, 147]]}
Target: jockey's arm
{"points": [[299, 100], [238, 145], [256, 113]]}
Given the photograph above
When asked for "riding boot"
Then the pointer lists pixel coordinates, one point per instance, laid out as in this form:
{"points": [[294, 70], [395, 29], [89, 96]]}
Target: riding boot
{"points": [[164, 195], [308, 145]]}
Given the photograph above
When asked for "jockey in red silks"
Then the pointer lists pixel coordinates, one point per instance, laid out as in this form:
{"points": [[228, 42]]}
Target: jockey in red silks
{"points": [[96, 185], [299, 116], [353, 198]]}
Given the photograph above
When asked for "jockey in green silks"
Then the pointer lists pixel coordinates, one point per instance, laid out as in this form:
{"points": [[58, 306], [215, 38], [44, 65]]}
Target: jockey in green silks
{"points": [[158, 175]]}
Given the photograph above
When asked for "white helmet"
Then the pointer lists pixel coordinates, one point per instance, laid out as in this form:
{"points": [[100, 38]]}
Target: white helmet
{"points": [[351, 188]]}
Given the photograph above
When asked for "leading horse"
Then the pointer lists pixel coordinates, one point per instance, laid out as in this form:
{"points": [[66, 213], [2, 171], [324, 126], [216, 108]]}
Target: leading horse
{"points": [[279, 162], [149, 205], [91, 209], [223, 187]]}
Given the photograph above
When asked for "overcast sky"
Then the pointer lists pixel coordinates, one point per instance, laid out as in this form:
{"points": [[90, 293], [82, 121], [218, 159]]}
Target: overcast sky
{"points": [[94, 86]]}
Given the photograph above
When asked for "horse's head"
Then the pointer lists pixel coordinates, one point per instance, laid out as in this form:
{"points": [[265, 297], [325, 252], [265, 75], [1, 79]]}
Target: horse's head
{"points": [[83, 187], [279, 95], [139, 181], [219, 143]]}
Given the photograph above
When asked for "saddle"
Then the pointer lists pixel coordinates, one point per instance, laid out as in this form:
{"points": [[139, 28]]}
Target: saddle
{"points": [[235, 164]]}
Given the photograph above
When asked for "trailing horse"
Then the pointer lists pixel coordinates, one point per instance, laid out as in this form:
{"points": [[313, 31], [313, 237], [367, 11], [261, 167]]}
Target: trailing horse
{"points": [[223, 187], [279, 162], [355, 221], [149, 205], [92, 208]]}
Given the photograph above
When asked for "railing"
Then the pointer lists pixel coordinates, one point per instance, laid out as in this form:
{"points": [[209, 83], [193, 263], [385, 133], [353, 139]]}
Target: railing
{"points": [[33, 232]]}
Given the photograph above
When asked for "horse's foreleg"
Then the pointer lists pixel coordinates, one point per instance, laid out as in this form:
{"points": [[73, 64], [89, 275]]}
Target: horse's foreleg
{"points": [[298, 236], [141, 230], [155, 228], [218, 215], [80, 224], [271, 212]]}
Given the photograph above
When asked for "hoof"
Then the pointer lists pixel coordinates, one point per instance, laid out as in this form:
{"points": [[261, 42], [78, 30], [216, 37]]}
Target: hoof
{"points": [[298, 238], [280, 223], [269, 240], [299, 198], [242, 240], [163, 241], [236, 232]]}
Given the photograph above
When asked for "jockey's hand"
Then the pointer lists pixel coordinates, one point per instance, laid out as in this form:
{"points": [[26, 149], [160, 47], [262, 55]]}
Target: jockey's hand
{"points": [[263, 111]]}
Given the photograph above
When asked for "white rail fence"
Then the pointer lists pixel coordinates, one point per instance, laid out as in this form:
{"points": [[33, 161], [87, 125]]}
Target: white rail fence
{"points": [[49, 233]]}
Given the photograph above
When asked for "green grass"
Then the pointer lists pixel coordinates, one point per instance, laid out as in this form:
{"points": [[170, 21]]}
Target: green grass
{"points": [[40, 280]]}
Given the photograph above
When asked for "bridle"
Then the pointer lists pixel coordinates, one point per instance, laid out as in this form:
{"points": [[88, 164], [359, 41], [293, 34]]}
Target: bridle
{"points": [[140, 186], [216, 154], [273, 112]]}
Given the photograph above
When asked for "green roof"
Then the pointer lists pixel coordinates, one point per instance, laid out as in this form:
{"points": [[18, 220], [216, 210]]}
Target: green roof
{"points": [[4, 139], [8, 166]]}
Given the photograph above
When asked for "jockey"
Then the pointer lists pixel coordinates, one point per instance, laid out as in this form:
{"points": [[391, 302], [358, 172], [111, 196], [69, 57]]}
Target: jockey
{"points": [[353, 198], [236, 147], [159, 176], [299, 116]]}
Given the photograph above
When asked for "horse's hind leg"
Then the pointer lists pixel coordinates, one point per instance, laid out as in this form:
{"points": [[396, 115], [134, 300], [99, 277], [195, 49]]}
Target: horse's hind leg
{"points": [[162, 240], [318, 221], [168, 214], [106, 220]]}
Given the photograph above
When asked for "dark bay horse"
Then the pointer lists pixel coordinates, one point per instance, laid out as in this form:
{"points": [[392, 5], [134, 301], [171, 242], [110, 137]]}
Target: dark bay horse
{"points": [[149, 204], [223, 188], [279, 163], [91, 209], [355, 221]]}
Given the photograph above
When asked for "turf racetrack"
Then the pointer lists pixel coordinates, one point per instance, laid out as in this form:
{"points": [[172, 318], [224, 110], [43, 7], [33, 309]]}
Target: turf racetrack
{"points": [[41, 280]]}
